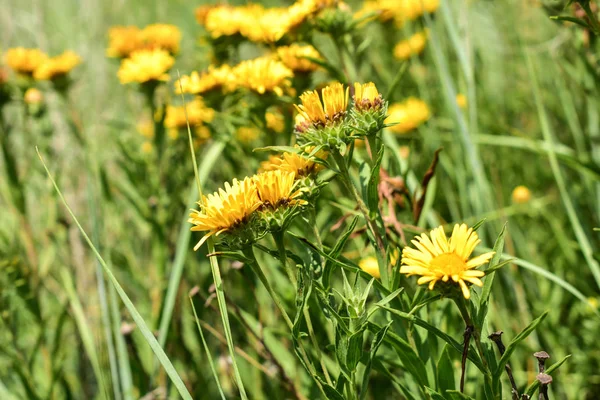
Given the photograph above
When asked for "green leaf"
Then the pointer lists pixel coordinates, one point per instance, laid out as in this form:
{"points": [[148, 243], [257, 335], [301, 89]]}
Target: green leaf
{"points": [[456, 395], [337, 250], [445, 371], [377, 341], [534, 386], [513, 344], [433, 394], [489, 279], [355, 346], [570, 19]]}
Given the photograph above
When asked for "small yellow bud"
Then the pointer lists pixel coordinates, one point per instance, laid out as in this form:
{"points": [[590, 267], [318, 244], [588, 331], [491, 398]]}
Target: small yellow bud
{"points": [[33, 96], [461, 100], [521, 195], [370, 266]]}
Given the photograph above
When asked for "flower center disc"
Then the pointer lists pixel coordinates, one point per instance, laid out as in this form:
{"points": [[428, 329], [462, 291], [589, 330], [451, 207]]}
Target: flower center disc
{"points": [[448, 264]]}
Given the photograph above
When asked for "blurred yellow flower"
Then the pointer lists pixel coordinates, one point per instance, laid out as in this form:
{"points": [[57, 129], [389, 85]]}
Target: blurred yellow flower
{"points": [[56, 67], [197, 113], [294, 57], [33, 96], [461, 100], [412, 46], [147, 147], [145, 127], [247, 134], [263, 75], [370, 266], [407, 115], [225, 209], [213, 78], [275, 121], [399, 10], [146, 65], [438, 258], [24, 61], [275, 188], [330, 110], [124, 40], [521, 195], [366, 96], [299, 164], [162, 36]]}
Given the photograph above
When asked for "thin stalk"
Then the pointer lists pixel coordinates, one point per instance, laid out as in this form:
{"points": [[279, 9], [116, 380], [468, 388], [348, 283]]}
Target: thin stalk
{"points": [[278, 237], [214, 267], [345, 175]]}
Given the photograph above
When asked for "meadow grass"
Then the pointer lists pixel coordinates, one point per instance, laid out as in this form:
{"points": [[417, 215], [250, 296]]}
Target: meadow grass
{"points": [[142, 314]]}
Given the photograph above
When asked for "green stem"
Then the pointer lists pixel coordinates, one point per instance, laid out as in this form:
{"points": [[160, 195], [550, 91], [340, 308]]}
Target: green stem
{"points": [[278, 237], [591, 16], [379, 243]]}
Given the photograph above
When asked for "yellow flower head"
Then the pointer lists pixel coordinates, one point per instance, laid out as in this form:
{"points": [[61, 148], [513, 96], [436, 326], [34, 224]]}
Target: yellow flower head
{"points": [[412, 46], [247, 134], [275, 121], [438, 258], [407, 115], [162, 36], [366, 96], [292, 162], [213, 78], [33, 96], [24, 61], [263, 75], [294, 57], [370, 266], [225, 209], [197, 113], [124, 40], [461, 100], [56, 67], [330, 110], [521, 195], [275, 188], [146, 65]]}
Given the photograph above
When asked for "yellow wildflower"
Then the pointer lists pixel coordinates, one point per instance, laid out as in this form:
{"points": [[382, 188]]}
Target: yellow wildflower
{"points": [[407, 115], [146, 65], [225, 209], [24, 61], [294, 57], [33, 96], [247, 134], [438, 258], [331, 109], [412, 46], [275, 121], [292, 162], [521, 195], [461, 100], [366, 96], [162, 36], [56, 67], [275, 188], [213, 78], [197, 113], [370, 266], [263, 75], [124, 40]]}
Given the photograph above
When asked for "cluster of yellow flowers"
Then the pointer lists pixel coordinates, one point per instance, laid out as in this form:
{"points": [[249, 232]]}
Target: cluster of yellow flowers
{"points": [[400, 11], [147, 54], [300, 165], [257, 23], [232, 207], [407, 115], [414, 45], [195, 112], [297, 57], [37, 64], [262, 75], [124, 40]]}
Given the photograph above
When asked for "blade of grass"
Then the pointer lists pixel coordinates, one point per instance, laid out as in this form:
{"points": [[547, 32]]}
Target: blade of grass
{"points": [[208, 355], [586, 247], [121, 347], [214, 267], [87, 337], [183, 243], [145, 331]]}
